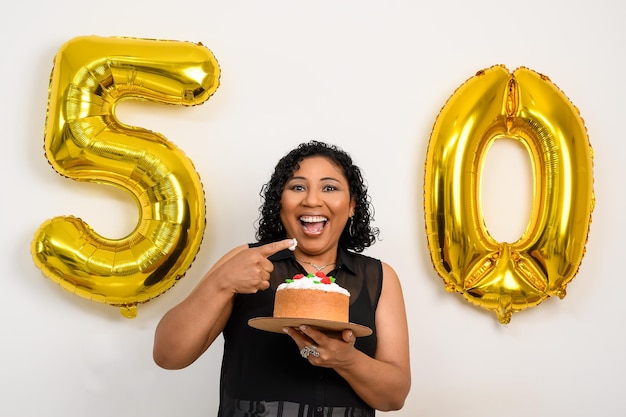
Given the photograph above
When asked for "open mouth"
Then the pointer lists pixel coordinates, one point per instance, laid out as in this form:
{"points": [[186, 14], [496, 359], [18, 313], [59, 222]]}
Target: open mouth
{"points": [[313, 224]]}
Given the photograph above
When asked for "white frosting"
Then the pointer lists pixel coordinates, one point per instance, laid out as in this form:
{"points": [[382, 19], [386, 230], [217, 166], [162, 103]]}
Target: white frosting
{"points": [[295, 243], [308, 283]]}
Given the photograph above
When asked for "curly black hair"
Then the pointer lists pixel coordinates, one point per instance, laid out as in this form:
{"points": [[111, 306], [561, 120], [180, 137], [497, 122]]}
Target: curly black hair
{"points": [[357, 235]]}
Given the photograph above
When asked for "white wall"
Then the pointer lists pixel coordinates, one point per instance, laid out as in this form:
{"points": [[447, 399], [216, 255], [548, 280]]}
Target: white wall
{"points": [[371, 77]]}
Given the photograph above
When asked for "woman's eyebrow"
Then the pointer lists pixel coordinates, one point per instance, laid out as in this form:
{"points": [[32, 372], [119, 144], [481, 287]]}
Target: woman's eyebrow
{"points": [[321, 179]]}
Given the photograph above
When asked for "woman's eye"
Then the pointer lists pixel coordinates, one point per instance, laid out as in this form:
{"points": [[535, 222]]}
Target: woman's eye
{"points": [[297, 187], [329, 188]]}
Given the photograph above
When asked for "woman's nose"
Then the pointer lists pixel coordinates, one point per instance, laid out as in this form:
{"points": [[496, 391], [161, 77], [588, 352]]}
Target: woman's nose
{"points": [[312, 198]]}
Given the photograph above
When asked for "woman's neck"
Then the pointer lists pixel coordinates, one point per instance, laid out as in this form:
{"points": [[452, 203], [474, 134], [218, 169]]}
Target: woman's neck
{"points": [[316, 263]]}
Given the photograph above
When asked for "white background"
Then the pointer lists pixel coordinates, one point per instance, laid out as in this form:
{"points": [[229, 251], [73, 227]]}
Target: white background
{"points": [[370, 76]]}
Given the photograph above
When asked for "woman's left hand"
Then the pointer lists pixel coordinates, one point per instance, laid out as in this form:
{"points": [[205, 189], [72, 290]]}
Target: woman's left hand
{"points": [[322, 349], [382, 381]]}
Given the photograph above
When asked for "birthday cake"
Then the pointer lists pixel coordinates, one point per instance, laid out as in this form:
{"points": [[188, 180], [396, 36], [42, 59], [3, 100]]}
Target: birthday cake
{"points": [[313, 296]]}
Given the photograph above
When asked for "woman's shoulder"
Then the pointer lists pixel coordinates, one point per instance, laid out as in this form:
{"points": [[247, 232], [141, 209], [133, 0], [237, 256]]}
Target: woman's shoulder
{"points": [[361, 257], [385, 268]]}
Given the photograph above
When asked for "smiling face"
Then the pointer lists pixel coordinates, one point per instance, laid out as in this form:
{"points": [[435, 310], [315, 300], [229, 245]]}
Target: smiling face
{"points": [[315, 207]]}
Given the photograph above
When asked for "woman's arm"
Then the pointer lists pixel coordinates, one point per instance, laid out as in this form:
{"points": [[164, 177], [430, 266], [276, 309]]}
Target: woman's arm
{"points": [[384, 381], [187, 330]]}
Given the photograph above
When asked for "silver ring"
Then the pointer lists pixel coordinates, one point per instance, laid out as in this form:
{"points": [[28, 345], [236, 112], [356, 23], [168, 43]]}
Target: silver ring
{"points": [[309, 350]]}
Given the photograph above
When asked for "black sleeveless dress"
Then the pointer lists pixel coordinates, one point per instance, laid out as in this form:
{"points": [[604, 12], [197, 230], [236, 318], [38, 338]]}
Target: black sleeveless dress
{"points": [[263, 373]]}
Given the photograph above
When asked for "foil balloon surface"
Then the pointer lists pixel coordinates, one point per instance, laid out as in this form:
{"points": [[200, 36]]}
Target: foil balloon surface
{"points": [[85, 141], [505, 277]]}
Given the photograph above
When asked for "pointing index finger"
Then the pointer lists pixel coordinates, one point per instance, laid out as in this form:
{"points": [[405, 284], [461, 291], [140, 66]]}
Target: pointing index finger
{"points": [[274, 247]]}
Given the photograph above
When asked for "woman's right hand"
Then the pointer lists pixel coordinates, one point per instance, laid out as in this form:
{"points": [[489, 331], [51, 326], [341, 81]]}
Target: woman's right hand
{"points": [[248, 270]]}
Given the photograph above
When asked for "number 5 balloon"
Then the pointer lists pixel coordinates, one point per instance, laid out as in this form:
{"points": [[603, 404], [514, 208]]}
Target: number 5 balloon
{"points": [[498, 276], [85, 141]]}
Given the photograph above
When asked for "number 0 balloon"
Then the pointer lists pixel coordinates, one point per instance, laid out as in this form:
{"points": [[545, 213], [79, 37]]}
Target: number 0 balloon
{"points": [[508, 277], [85, 141]]}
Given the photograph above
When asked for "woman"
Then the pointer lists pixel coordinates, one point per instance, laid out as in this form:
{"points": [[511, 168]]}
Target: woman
{"points": [[317, 198]]}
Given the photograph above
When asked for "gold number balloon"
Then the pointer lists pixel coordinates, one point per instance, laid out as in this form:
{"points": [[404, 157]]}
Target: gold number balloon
{"points": [[85, 141], [499, 276]]}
